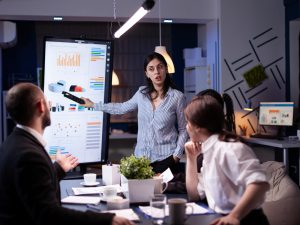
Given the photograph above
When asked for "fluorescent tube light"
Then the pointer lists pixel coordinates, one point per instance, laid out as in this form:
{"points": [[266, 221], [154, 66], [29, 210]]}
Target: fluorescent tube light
{"points": [[168, 21], [140, 13], [57, 18]]}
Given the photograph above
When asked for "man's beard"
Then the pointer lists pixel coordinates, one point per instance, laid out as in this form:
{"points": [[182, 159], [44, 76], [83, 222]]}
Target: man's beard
{"points": [[46, 120]]}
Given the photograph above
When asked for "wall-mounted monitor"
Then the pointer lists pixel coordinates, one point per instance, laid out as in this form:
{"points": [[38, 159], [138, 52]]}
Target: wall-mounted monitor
{"points": [[80, 68], [276, 113]]}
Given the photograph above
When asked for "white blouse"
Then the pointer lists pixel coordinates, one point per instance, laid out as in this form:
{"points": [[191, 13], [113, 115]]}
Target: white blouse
{"points": [[228, 167]]}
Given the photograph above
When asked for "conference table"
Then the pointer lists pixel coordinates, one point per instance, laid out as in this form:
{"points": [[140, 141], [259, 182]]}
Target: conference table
{"points": [[66, 190]]}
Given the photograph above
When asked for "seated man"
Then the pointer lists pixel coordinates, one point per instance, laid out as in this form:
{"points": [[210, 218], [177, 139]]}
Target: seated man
{"points": [[29, 181]]}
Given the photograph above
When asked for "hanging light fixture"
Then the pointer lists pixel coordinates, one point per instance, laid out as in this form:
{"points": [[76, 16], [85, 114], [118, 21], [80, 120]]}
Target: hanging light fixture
{"points": [[141, 12], [162, 49], [115, 79]]}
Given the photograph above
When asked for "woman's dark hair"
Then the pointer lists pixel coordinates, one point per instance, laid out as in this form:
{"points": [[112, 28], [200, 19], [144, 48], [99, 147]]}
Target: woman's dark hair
{"points": [[206, 112], [223, 101], [149, 85], [229, 115], [213, 93]]}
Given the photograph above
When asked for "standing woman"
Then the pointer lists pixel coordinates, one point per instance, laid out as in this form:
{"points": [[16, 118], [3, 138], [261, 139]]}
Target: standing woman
{"points": [[161, 122], [231, 177]]}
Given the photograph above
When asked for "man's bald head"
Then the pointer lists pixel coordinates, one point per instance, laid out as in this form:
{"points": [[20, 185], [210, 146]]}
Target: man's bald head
{"points": [[21, 102]]}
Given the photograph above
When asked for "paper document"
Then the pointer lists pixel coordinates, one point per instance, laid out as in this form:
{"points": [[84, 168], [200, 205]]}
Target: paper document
{"points": [[127, 213], [81, 200], [94, 190], [197, 209], [167, 175]]}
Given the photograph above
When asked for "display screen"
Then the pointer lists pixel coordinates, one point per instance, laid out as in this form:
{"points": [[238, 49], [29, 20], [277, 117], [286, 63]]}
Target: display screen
{"points": [[77, 68], [276, 113]]}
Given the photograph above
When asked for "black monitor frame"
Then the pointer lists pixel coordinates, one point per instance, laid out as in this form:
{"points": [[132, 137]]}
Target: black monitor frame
{"points": [[107, 90]]}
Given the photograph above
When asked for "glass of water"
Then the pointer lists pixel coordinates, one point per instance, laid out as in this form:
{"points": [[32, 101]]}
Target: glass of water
{"points": [[158, 208]]}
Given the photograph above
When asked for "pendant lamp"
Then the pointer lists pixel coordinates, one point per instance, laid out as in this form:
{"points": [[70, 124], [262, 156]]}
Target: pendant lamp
{"points": [[162, 49], [115, 79]]}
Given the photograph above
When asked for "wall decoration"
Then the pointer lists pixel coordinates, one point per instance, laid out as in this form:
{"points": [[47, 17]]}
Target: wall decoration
{"points": [[255, 76], [248, 73]]}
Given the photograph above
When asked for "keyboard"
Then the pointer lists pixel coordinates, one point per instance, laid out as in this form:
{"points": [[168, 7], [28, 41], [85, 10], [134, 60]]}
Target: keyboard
{"points": [[264, 135]]}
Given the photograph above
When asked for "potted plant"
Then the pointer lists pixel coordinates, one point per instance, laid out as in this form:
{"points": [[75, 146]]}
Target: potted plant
{"points": [[137, 179]]}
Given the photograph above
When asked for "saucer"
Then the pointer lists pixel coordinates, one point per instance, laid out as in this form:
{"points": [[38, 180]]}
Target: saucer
{"points": [[90, 184]]}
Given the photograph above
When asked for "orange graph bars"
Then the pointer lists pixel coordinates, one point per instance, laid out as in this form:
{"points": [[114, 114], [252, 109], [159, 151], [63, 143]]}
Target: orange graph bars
{"points": [[68, 60]]}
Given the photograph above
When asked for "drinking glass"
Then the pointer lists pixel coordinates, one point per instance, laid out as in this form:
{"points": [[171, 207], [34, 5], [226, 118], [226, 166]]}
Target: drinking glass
{"points": [[158, 207]]}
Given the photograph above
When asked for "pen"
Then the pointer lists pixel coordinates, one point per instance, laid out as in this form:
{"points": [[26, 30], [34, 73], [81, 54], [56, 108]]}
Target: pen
{"points": [[93, 207]]}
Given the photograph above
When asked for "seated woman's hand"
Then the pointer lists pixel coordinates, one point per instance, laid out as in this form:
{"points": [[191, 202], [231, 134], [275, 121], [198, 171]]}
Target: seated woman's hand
{"points": [[192, 149]]}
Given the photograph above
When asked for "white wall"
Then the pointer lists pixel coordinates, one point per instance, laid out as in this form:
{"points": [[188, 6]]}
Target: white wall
{"points": [[294, 60], [241, 21], [212, 37], [102, 10]]}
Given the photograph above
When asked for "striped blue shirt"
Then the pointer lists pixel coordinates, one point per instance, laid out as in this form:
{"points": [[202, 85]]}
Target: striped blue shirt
{"points": [[158, 137]]}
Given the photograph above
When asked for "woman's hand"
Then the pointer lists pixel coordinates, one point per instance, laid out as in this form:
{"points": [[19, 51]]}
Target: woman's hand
{"points": [[176, 159], [226, 220], [88, 103], [192, 149], [66, 161]]}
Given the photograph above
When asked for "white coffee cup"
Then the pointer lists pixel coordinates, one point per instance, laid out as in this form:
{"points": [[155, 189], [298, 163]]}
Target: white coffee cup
{"points": [[109, 192], [177, 210], [160, 186], [89, 178]]}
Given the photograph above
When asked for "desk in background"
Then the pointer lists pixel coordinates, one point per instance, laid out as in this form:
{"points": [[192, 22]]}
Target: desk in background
{"points": [[66, 188], [121, 145], [284, 145]]}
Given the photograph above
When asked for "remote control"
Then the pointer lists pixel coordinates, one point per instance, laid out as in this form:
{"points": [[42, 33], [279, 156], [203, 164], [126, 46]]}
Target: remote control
{"points": [[73, 97]]}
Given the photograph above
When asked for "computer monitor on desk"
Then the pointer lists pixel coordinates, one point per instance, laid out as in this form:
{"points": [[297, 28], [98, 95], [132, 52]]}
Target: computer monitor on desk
{"points": [[279, 114]]}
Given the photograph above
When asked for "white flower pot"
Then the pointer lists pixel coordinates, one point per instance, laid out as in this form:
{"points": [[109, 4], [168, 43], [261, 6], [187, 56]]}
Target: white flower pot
{"points": [[137, 190]]}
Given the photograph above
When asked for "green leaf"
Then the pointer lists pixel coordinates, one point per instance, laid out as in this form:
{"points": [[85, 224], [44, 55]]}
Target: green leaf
{"points": [[136, 168]]}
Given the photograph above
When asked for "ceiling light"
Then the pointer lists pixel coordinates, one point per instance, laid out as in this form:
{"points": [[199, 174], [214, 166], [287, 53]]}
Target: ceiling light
{"points": [[140, 13], [57, 18], [168, 21]]}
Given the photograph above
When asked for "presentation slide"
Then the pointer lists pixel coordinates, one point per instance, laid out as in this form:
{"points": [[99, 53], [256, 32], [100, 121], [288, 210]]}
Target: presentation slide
{"points": [[75, 69], [276, 113]]}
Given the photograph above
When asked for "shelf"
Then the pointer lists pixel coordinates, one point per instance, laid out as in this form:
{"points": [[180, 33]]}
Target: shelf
{"points": [[123, 136]]}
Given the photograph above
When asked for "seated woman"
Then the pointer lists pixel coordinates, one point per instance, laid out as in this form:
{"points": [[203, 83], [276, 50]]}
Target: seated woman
{"points": [[227, 105], [231, 177]]}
